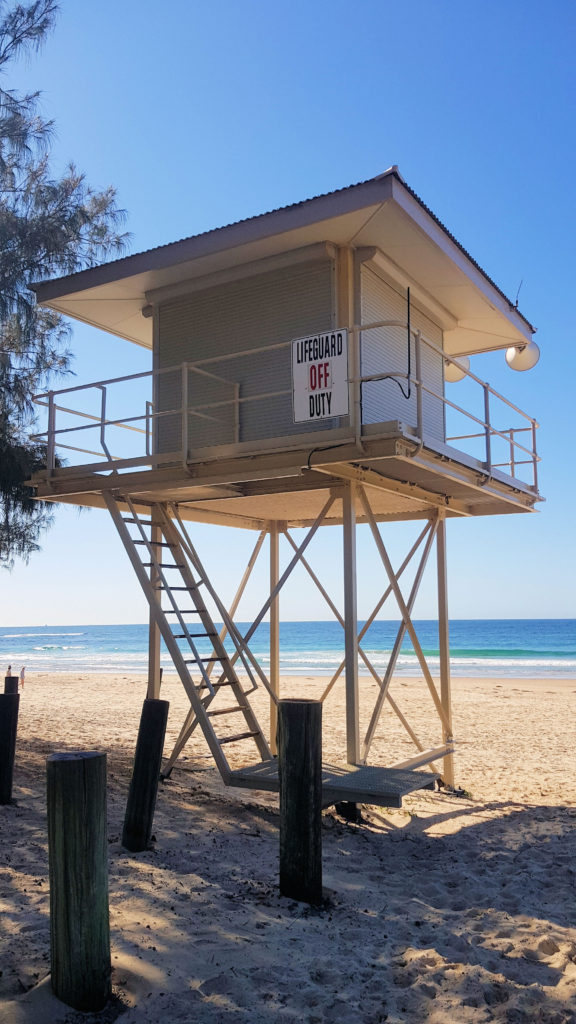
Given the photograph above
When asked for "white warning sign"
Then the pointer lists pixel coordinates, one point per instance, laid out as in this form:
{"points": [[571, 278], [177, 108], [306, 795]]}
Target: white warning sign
{"points": [[320, 376]]}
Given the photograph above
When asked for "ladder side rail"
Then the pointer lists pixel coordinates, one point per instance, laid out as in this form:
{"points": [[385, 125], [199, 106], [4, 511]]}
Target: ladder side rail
{"points": [[229, 626], [168, 590], [228, 673], [243, 583], [190, 551], [163, 625], [317, 523], [241, 643]]}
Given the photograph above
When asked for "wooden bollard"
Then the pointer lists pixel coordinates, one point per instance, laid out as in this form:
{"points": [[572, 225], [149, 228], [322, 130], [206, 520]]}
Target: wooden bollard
{"points": [[11, 684], [300, 770], [9, 704], [78, 862], [143, 790]]}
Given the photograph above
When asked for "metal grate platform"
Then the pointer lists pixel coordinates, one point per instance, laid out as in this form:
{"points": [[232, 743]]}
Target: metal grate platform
{"points": [[361, 784]]}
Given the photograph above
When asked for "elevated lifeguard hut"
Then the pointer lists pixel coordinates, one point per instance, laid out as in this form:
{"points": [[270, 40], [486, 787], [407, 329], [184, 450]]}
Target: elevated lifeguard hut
{"points": [[301, 369]]}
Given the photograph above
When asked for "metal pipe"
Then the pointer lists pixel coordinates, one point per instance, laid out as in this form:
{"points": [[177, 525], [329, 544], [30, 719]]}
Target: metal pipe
{"points": [[487, 428], [51, 447]]}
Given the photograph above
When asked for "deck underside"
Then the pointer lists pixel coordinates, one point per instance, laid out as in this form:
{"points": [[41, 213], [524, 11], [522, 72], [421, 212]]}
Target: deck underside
{"points": [[406, 481]]}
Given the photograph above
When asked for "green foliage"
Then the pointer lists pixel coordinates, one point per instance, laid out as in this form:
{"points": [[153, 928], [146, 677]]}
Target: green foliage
{"points": [[48, 226]]}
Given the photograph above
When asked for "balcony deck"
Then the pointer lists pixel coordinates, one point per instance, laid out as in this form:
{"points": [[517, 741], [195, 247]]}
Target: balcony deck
{"points": [[202, 445], [406, 481]]}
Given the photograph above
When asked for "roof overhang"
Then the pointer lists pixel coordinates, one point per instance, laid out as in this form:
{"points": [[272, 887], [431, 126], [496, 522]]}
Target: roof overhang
{"points": [[383, 213]]}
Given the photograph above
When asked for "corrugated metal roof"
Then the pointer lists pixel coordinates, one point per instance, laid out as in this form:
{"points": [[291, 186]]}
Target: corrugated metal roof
{"points": [[392, 171]]}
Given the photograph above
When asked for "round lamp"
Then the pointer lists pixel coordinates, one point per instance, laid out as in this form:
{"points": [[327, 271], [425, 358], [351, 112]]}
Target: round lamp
{"points": [[454, 372], [523, 357]]}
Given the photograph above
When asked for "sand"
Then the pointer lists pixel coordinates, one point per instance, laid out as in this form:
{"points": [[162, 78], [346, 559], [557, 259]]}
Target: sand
{"points": [[455, 908]]}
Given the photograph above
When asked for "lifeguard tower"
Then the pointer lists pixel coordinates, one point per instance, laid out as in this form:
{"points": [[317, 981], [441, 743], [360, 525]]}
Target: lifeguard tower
{"points": [[303, 374]]}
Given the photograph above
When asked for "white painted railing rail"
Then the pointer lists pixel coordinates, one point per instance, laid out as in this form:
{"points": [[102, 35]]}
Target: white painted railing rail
{"points": [[222, 411]]}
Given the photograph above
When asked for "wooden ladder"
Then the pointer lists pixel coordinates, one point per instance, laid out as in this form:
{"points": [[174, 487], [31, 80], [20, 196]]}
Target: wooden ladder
{"points": [[172, 578]]}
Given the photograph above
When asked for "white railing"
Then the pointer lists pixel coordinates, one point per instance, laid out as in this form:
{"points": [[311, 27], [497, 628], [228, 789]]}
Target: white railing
{"points": [[175, 410]]}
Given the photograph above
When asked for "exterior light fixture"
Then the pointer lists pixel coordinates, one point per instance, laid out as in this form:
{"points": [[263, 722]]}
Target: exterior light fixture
{"points": [[455, 371], [523, 357]]}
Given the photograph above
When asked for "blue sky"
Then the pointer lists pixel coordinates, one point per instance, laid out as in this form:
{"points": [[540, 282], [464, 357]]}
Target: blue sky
{"points": [[204, 113]]}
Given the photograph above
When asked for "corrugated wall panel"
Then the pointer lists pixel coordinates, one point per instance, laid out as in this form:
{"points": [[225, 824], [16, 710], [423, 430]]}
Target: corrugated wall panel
{"points": [[385, 350], [253, 313]]}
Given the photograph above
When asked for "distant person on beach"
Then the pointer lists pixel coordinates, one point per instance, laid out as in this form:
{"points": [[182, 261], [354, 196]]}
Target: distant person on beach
{"points": [[22, 676]]}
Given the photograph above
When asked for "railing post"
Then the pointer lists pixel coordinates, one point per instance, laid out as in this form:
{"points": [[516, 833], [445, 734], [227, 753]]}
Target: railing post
{"points": [[487, 428], [51, 443], [512, 461], [419, 410], [149, 408], [184, 413], [534, 455], [103, 423], [355, 395]]}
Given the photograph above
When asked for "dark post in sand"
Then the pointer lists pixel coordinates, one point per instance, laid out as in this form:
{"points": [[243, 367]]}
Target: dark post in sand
{"points": [[145, 775], [9, 704], [300, 769], [78, 862]]}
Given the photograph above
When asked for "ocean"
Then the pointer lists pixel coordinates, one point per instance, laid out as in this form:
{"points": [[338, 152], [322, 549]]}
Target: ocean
{"points": [[481, 647]]}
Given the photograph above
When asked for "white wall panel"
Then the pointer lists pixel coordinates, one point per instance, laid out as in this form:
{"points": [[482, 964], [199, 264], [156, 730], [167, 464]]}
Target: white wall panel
{"points": [[385, 350]]}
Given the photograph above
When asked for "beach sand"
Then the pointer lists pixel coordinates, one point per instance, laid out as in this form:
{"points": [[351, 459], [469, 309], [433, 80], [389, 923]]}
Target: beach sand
{"points": [[450, 909]]}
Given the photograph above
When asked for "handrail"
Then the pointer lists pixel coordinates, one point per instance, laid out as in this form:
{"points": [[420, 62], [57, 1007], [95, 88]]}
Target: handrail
{"points": [[445, 355], [210, 410], [489, 431]]}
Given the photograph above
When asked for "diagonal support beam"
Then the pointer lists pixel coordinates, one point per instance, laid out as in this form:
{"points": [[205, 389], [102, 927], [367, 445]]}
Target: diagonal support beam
{"points": [[312, 531], [428, 529], [379, 605], [403, 610], [384, 686]]}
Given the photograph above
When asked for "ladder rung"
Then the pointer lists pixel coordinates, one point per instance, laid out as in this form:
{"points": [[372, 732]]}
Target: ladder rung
{"points": [[240, 736], [216, 686], [226, 711], [163, 587], [194, 661], [180, 611], [138, 522], [164, 565], [190, 611], [181, 636], [156, 543]]}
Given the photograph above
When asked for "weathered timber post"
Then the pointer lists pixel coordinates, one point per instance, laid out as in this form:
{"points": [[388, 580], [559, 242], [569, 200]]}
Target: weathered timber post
{"points": [[300, 770], [145, 775], [9, 704], [78, 862], [11, 684]]}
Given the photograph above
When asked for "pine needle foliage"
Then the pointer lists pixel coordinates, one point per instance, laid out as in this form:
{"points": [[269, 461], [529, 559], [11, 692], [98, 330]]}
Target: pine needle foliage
{"points": [[49, 226]]}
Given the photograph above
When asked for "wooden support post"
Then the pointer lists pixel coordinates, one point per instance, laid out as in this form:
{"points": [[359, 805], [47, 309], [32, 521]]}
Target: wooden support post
{"points": [[77, 854], [154, 671], [11, 684], [274, 634], [9, 703], [300, 771], [444, 647], [350, 624], [145, 776]]}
